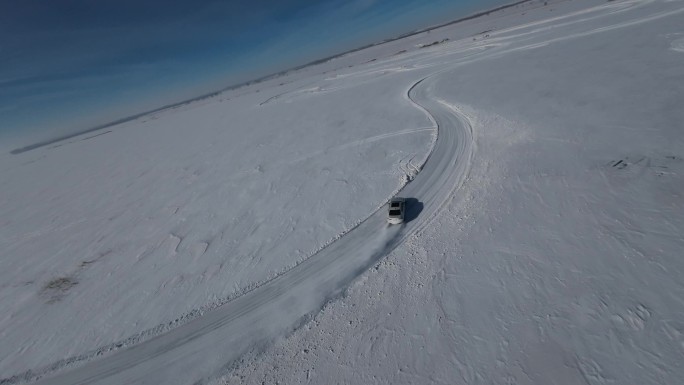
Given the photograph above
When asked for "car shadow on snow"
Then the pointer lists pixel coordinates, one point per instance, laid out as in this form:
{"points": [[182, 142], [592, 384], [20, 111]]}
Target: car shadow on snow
{"points": [[413, 209]]}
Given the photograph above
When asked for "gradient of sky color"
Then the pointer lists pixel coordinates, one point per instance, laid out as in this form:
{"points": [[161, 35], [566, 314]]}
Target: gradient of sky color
{"points": [[67, 65]]}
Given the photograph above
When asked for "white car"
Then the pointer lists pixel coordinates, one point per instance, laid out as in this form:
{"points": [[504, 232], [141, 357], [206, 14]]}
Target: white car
{"points": [[397, 207]]}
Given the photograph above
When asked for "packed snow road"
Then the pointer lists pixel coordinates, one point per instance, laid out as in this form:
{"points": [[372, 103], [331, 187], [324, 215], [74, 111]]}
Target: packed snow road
{"points": [[205, 345]]}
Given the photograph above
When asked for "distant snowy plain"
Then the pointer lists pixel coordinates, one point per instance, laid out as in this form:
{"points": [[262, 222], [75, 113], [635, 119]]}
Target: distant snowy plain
{"points": [[556, 259]]}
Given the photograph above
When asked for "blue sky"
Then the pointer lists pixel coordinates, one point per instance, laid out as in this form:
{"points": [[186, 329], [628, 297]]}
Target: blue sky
{"points": [[67, 65]]}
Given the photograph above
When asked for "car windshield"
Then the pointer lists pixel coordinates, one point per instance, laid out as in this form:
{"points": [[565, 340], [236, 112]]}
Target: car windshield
{"points": [[394, 212], [395, 204]]}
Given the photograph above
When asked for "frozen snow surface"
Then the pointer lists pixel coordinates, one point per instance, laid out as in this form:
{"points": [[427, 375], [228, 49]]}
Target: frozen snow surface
{"points": [[202, 242]]}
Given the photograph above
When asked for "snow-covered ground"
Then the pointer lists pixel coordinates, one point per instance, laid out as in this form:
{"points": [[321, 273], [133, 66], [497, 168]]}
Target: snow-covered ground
{"points": [[559, 260], [554, 257], [140, 226]]}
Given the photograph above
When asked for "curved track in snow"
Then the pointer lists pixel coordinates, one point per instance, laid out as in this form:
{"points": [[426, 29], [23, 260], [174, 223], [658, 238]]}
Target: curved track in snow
{"points": [[204, 345]]}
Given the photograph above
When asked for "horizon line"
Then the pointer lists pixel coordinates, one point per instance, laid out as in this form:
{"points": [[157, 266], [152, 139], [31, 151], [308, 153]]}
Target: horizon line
{"points": [[129, 118]]}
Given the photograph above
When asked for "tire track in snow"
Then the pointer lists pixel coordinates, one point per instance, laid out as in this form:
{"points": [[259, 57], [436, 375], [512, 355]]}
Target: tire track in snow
{"points": [[203, 346], [361, 142]]}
